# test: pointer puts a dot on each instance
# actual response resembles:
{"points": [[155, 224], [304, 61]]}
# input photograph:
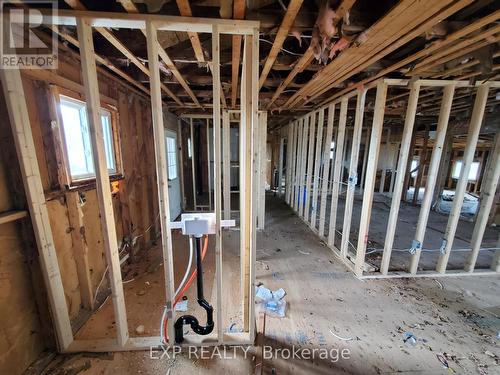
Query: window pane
{"points": [[77, 137], [74, 139], [171, 158]]}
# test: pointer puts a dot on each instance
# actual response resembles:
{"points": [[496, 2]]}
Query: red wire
{"points": [[187, 285]]}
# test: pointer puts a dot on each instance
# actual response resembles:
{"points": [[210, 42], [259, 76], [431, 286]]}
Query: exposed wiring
{"points": [[281, 49]]}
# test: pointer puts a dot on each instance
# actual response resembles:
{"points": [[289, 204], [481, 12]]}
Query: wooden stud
{"points": [[217, 176], [161, 174], [460, 190], [339, 150], [262, 170], [280, 166], [353, 173], [326, 169], [376, 136], [444, 116], [298, 163], [488, 190], [365, 158], [317, 164], [193, 172], [384, 170], [254, 83], [289, 155], [102, 178], [308, 176], [181, 163], [23, 138], [246, 154], [209, 167], [226, 164], [400, 175]]}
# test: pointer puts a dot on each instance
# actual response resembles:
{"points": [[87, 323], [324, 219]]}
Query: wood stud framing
{"points": [[302, 131], [12, 85]]}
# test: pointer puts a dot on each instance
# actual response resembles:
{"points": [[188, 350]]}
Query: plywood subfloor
{"points": [[456, 316]]}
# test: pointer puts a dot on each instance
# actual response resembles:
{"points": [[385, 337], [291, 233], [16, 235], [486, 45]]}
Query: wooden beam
{"points": [[309, 171], [226, 161], [238, 14], [130, 7], [326, 169], [404, 155], [435, 46], [444, 116], [161, 175], [284, 29], [280, 164], [339, 151], [353, 174], [366, 210], [488, 190], [217, 177], [108, 226], [76, 4], [10, 216], [15, 99], [460, 190], [261, 219], [185, 10], [317, 165], [193, 172]]}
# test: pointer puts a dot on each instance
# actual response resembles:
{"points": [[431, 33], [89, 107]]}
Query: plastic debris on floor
{"points": [[272, 302]]}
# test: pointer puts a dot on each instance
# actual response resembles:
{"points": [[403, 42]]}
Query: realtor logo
{"points": [[26, 43]]}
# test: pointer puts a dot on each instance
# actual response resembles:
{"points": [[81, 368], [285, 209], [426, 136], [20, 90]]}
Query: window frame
{"points": [[76, 182]]}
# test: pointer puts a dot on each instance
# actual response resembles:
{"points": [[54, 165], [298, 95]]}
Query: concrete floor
{"points": [[451, 318]]}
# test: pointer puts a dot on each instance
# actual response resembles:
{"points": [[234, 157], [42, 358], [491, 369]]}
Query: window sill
{"points": [[90, 183]]}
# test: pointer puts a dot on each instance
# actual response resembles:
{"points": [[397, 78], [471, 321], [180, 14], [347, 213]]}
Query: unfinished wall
{"points": [[134, 200]]}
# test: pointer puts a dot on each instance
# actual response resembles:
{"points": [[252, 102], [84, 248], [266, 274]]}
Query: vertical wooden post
{"points": [[193, 171], [216, 87], [161, 173], [326, 169], [339, 151], [289, 164], [306, 201], [365, 158], [384, 170], [411, 152], [317, 165], [444, 116], [353, 171], [470, 149], [404, 155], [421, 167], [280, 166], [262, 170], [488, 190], [25, 148], [394, 157], [226, 163], [254, 80], [364, 224], [89, 75], [308, 124], [297, 163], [209, 167], [181, 163]]}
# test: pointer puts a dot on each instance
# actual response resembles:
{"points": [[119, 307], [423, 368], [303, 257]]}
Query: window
{"points": [[171, 158], [77, 139], [332, 147], [190, 155], [414, 164], [473, 172]]}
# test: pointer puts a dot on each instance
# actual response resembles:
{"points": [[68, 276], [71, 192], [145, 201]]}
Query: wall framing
{"points": [[354, 256], [16, 103]]}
